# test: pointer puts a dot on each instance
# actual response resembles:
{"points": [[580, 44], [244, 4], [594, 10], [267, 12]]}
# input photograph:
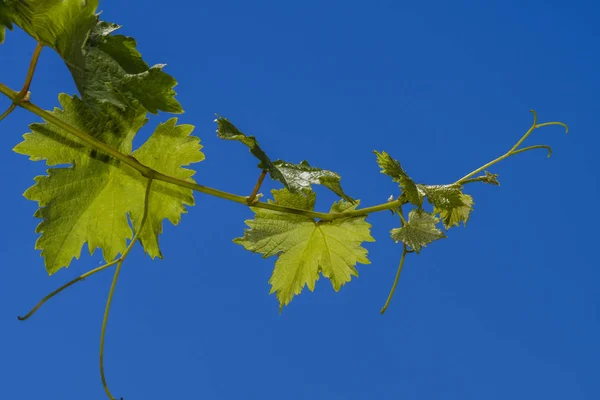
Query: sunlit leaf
{"points": [[89, 202], [306, 248]]}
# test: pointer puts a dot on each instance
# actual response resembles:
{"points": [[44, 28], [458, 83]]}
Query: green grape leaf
{"points": [[295, 177], [450, 202], [443, 197], [90, 201], [419, 231], [304, 247], [106, 69], [392, 168], [455, 215]]}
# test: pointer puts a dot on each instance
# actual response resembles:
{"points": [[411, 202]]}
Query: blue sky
{"points": [[505, 308]]}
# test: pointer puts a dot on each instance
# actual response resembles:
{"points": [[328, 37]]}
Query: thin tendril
{"points": [[114, 284], [514, 149], [387, 302], [66, 285], [531, 129], [554, 123], [6, 113], [537, 146]]}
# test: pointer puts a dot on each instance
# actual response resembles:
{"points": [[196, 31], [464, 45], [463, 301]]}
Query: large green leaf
{"points": [[295, 177], [90, 200], [305, 247], [105, 68], [419, 231], [392, 167]]}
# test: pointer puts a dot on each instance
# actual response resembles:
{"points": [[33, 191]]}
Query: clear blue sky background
{"points": [[506, 308]]}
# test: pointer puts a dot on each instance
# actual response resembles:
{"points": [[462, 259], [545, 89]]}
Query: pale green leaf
{"points": [[90, 201], [455, 215], [304, 247], [419, 231], [392, 167]]}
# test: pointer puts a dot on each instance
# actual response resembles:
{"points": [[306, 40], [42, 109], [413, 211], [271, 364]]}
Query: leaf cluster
{"points": [[102, 192]]}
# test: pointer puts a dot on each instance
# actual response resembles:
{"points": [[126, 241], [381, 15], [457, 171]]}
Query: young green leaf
{"points": [[227, 131], [443, 197], [490, 178], [419, 231], [106, 69], [305, 247], [89, 201], [295, 177], [300, 176], [392, 168], [450, 202], [455, 215]]}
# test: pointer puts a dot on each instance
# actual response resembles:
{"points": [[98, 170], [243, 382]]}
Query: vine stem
{"points": [[25, 89], [153, 174], [389, 299], [114, 284], [149, 172]]}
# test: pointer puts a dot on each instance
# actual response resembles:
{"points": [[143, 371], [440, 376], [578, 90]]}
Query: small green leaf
{"points": [[304, 247], [90, 201], [450, 202], [392, 167], [443, 197], [455, 215], [295, 177], [227, 131], [419, 231], [301, 176]]}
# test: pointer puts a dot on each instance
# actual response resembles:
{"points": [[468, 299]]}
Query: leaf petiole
{"points": [[22, 95], [261, 178]]}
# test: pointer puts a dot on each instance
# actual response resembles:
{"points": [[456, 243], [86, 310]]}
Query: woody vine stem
{"points": [[22, 99]]}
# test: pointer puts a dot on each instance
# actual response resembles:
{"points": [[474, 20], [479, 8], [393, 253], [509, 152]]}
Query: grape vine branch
{"points": [[93, 134]]}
